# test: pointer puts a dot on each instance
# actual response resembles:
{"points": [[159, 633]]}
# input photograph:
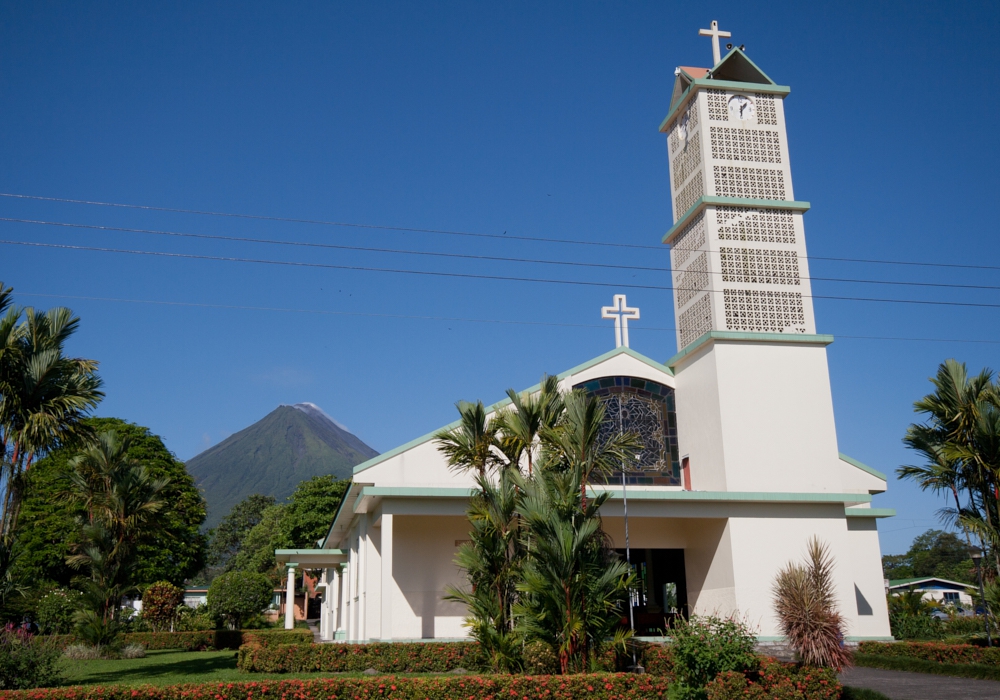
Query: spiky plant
{"points": [[806, 604]]}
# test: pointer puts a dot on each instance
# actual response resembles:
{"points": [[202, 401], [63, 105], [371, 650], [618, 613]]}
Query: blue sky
{"points": [[535, 119]]}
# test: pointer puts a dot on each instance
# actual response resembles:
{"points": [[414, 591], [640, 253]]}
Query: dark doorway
{"points": [[661, 593]]}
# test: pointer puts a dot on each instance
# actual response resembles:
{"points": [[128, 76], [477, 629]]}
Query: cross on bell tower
{"points": [[621, 313], [715, 33]]}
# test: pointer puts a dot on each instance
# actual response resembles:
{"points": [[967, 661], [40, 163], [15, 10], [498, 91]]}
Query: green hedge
{"points": [[776, 681], [933, 651], [596, 687], [196, 641], [416, 657]]}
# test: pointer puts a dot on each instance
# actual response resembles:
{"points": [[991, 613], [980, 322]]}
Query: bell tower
{"points": [[753, 389]]}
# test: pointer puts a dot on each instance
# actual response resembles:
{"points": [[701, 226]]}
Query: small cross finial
{"points": [[621, 313], [715, 33]]}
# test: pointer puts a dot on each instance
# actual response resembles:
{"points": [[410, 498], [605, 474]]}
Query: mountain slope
{"points": [[288, 445]]}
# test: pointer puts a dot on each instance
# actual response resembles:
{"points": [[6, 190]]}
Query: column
{"points": [[335, 602], [324, 609], [387, 584], [290, 599]]}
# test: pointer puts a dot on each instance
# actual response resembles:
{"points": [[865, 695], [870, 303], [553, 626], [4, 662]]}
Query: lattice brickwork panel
{"points": [[752, 183], [766, 112], [763, 311], [755, 145], [685, 124], [692, 281], [690, 194], [760, 225], [687, 160], [718, 106], [759, 266], [696, 321], [692, 238]]}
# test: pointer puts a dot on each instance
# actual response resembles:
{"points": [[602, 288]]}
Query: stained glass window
{"points": [[645, 408]]}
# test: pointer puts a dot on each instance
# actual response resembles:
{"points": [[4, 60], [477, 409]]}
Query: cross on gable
{"points": [[715, 33], [621, 313]]}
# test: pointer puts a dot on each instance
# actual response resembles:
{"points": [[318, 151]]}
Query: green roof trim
{"points": [[320, 552], [506, 402], [736, 50], [789, 338], [641, 495], [893, 583], [863, 467], [708, 201], [870, 512]]}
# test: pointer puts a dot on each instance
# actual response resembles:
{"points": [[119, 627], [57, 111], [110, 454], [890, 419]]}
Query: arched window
{"points": [[645, 408]]}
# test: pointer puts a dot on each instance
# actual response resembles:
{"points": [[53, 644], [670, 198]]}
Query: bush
{"points": [[776, 681], [933, 651], [24, 664], [916, 627], [195, 641], [54, 612], [133, 651], [193, 619], [81, 652], [704, 647], [416, 657], [238, 595], [962, 625], [270, 638], [600, 686], [159, 605], [539, 658]]}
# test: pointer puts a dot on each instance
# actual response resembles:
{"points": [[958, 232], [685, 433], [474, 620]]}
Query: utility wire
{"points": [[463, 275], [463, 256], [447, 318], [503, 236]]}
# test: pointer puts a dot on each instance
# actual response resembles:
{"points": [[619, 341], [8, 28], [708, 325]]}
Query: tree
{"points": [[310, 510], [227, 538], [934, 553], [806, 604], [256, 553], [173, 552], [159, 605], [960, 441], [44, 397], [121, 504], [238, 595]]}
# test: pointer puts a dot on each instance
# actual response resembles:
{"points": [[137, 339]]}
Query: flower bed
{"points": [[196, 641], [933, 651], [777, 681], [414, 657]]}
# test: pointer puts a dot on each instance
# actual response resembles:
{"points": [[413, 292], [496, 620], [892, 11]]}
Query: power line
{"points": [[504, 236], [463, 256], [462, 275], [236, 307]]}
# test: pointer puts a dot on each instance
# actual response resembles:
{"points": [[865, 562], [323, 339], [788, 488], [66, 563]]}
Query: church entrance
{"points": [[661, 593]]}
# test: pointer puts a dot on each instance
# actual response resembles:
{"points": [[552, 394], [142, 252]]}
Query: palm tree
{"points": [[44, 396], [122, 503], [473, 443], [575, 443], [529, 414]]}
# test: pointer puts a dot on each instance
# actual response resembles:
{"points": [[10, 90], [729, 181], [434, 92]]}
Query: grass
{"points": [[167, 667], [891, 663]]}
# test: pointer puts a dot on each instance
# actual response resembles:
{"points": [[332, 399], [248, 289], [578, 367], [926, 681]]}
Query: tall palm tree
{"points": [[44, 396], [528, 415], [122, 503], [473, 444]]}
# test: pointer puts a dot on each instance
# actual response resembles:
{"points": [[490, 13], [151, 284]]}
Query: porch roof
{"points": [[310, 557]]}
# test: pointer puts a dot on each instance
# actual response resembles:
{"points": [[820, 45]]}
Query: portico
{"points": [[331, 563]]}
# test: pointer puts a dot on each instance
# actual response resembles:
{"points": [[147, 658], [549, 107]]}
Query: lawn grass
{"points": [[895, 663], [167, 667]]}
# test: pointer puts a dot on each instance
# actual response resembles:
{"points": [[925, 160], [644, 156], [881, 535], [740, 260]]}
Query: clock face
{"points": [[741, 107]]}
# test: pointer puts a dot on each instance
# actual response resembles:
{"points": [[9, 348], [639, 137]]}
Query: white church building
{"points": [[740, 466]]}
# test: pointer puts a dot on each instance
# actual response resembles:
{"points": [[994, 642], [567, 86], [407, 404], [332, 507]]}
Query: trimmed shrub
{"points": [[54, 613], [598, 686], [270, 638], [934, 651], [776, 681], [415, 657], [23, 664], [704, 647], [539, 658], [133, 651], [194, 641], [81, 652], [239, 595], [159, 604], [657, 659]]}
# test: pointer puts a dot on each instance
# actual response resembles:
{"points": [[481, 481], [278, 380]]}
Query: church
{"points": [[740, 465]]}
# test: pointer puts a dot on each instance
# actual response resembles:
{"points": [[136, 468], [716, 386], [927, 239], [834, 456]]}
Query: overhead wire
{"points": [[504, 236], [463, 256], [462, 275]]}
